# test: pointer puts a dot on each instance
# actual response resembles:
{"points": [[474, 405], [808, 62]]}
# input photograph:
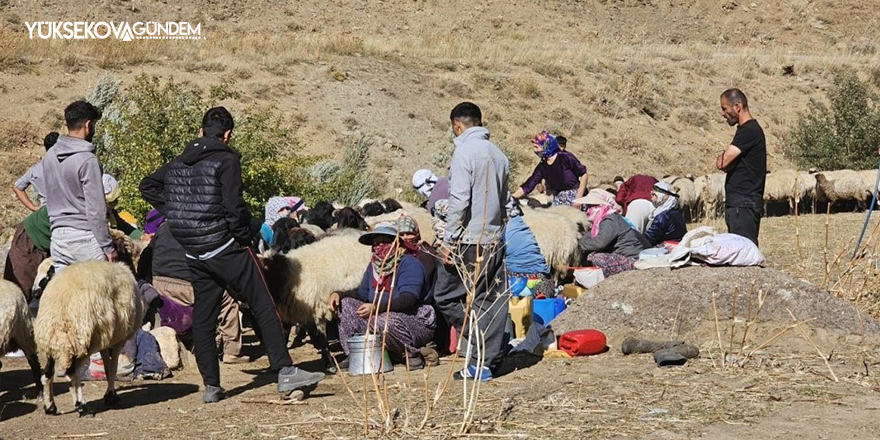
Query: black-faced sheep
{"points": [[349, 218], [421, 215], [88, 307], [17, 326]]}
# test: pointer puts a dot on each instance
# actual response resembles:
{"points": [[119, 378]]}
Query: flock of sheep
{"points": [[107, 309], [703, 196]]}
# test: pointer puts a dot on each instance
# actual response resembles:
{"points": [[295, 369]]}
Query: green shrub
{"points": [[348, 182], [846, 135], [148, 124]]}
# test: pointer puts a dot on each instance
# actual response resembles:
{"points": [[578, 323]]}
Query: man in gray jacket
{"points": [[75, 192], [473, 242]]}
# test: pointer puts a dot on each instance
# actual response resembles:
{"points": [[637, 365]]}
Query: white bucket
{"points": [[365, 355], [588, 277]]}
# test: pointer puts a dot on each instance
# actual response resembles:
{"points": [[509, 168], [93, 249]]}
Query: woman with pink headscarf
{"points": [[612, 244]]}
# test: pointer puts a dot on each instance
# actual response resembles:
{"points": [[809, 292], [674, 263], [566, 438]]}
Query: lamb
{"points": [[834, 186], [557, 236], [303, 280], [17, 327], [88, 307]]}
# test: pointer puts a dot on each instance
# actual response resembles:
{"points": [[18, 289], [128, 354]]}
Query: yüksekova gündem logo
{"points": [[102, 30]]}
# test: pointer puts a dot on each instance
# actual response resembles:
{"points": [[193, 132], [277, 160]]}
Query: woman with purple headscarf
{"points": [[564, 175]]}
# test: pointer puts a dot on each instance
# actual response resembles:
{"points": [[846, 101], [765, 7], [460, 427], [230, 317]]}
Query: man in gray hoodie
{"points": [[75, 192], [473, 241]]}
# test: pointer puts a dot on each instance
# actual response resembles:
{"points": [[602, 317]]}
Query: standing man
{"points": [[200, 194], [474, 239], [75, 192], [745, 162], [34, 176]]}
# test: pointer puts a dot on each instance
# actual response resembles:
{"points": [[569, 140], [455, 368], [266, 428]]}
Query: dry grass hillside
{"points": [[632, 83]]}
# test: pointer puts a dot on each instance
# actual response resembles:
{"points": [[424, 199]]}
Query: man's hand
{"points": [[445, 254], [112, 256], [365, 310], [333, 302]]}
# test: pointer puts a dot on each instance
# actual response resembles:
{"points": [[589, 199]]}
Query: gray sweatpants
{"points": [[490, 298], [71, 245]]}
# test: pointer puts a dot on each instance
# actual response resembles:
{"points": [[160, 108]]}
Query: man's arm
{"points": [[727, 157], [238, 216], [21, 185], [459, 196], [96, 207], [153, 188], [24, 199]]}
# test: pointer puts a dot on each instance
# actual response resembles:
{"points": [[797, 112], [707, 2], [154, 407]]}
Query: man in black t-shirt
{"points": [[745, 162]]}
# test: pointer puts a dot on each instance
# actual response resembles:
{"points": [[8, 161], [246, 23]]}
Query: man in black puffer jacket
{"points": [[200, 194]]}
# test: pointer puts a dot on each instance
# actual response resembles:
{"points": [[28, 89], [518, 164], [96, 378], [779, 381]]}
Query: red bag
{"points": [[583, 342]]}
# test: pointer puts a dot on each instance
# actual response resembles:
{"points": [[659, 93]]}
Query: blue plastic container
{"points": [[544, 310]]}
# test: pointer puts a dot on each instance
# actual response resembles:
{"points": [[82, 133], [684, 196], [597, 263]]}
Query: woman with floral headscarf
{"points": [[563, 173], [666, 221], [276, 208], [612, 244], [393, 293]]}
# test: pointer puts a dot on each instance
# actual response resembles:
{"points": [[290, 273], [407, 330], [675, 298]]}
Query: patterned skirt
{"points": [[566, 197], [611, 264]]}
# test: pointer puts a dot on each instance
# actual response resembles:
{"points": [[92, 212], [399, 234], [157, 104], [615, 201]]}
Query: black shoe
{"points": [[213, 394], [291, 378]]}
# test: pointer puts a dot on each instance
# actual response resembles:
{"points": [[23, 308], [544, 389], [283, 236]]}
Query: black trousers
{"points": [[490, 298], [744, 220], [236, 270]]}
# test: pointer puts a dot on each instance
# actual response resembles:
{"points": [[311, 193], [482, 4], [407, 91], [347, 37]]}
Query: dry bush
{"points": [[528, 87], [343, 45]]}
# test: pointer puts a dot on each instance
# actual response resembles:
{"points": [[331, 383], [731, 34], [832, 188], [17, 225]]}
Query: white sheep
{"points": [[688, 198], [710, 187], [869, 178], [557, 236], [88, 307], [303, 279], [17, 326], [835, 186]]}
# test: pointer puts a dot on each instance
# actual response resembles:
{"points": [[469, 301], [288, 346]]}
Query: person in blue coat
{"points": [[666, 221]]}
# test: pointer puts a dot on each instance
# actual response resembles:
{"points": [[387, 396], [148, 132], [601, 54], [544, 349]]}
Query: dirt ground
{"points": [[768, 388]]}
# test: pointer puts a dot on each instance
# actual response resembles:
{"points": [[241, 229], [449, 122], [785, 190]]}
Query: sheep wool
{"points": [[557, 236], [17, 326], [88, 307], [169, 348]]}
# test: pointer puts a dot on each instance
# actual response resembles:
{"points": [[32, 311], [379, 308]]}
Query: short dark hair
{"points": [[217, 121], [562, 141], [467, 113], [77, 113], [50, 140], [736, 96]]}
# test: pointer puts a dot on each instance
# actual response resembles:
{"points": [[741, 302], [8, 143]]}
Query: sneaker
{"points": [[15, 354], [213, 394], [471, 372], [430, 355], [416, 363], [291, 378]]}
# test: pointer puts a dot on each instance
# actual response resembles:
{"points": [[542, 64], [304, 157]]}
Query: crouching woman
{"points": [[612, 244], [393, 288]]}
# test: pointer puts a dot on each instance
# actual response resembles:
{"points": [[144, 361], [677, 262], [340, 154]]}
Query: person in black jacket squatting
{"points": [[200, 193]]}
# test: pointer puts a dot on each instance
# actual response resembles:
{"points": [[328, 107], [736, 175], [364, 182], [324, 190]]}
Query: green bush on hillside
{"points": [[844, 135], [146, 125]]}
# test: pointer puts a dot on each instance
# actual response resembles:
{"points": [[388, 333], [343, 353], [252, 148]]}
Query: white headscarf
{"points": [[423, 181], [666, 199]]}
